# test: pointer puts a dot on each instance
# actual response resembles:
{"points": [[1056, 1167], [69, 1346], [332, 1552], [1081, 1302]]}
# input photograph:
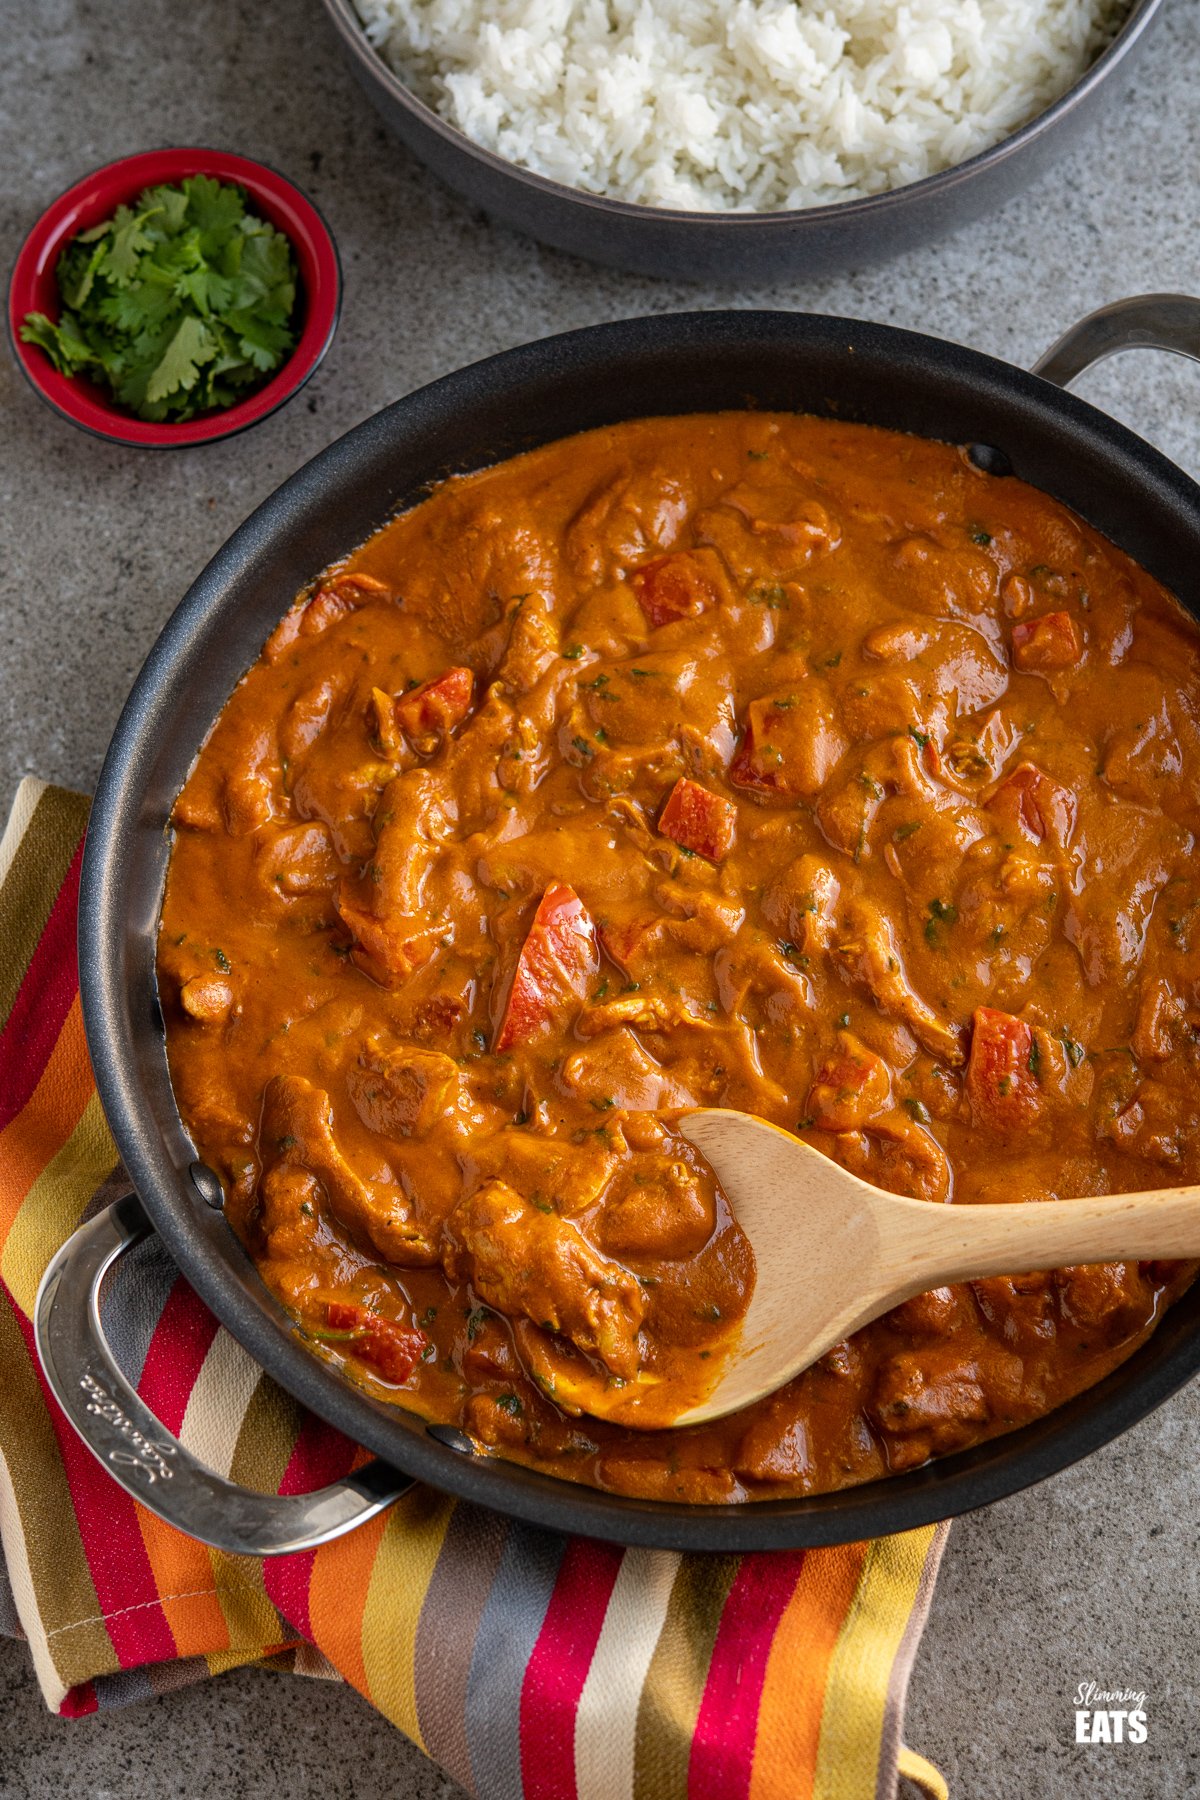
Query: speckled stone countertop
{"points": [[1093, 1576]]}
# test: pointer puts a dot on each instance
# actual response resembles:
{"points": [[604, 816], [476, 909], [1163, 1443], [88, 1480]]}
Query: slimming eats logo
{"points": [[1109, 1716]]}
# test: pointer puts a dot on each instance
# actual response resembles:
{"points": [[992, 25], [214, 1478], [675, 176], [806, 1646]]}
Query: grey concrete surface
{"points": [[1092, 1577]]}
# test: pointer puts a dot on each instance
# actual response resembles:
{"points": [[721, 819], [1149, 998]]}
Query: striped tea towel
{"points": [[531, 1666]]}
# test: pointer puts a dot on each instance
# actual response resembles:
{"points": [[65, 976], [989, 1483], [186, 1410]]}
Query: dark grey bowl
{"points": [[743, 247]]}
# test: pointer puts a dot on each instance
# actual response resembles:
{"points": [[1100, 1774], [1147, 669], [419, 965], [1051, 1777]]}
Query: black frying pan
{"points": [[1018, 422]]}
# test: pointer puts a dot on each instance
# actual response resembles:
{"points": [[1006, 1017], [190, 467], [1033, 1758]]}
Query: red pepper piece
{"points": [[557, 958], [438, 705], [394, 1350], [1002, 1081], [334, 599], [1051, 642], [699, 820], [1029, 798], [850, 1089], [673, 587]]}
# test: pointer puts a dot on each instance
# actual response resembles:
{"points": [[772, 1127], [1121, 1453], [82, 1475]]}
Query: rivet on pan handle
{"points": [[135, 1448], [1145, 322]]}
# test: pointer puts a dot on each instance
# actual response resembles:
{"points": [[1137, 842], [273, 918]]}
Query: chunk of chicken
{"points": [[207, 998], [404, 1091], [534, 1265], [801, 903], [865, 947], [792, 742], [297, 1132]]}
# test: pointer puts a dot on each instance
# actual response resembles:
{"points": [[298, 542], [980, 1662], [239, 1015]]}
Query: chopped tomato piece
{"points": [[438, 705], [1051, 642], [335, 598], [357, 588], [394, 1350], [388, 952], [1002, 1078], [341, 594], [673, 587], [557, 958], [324, 609], [851, 1087], [699, 820], [1029, 798]]}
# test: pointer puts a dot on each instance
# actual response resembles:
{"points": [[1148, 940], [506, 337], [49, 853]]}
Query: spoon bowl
{"points": [[833, 1252]]}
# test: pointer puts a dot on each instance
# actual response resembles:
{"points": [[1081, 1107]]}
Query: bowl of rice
{"points": [[735, 140]]}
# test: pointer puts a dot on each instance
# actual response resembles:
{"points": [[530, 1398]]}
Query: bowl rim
{"points": [[861, 210], [93, 197]]}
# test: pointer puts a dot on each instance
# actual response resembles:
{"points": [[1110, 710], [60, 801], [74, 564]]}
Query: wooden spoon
{"points": [[833, 1253]]}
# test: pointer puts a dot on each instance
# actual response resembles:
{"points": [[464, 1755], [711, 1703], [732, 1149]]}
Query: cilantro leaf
{"points": [[179, 304], [180, 365], [129, 239], [171, 203], [213, 207], [209, 292], [77, 273], [260, 340], [62, 342]]}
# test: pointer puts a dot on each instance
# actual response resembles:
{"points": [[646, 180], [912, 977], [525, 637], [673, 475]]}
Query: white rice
{"points": [[747, 104]]}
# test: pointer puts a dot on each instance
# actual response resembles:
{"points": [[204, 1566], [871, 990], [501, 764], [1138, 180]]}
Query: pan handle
{"points": [[133, 1446], [1145, 322]]}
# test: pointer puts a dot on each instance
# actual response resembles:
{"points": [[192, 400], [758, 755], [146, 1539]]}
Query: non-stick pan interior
{"points": [[670, 364]]}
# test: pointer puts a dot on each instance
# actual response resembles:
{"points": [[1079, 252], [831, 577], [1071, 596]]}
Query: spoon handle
{"points": [[962, 1242]]}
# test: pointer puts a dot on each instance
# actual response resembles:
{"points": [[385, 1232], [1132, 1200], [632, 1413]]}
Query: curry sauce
{"points": [[741, 760]]}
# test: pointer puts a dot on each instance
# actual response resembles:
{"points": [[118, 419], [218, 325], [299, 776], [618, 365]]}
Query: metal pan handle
{"points": [[1145, 322], [149, 1463]]}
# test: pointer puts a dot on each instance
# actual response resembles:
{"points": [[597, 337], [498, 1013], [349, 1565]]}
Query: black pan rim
{"points": [[1000, 1467]]}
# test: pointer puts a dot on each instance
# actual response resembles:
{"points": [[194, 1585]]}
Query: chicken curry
{"points": [[743, 760]]}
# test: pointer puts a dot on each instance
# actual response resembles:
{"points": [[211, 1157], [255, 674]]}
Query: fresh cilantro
{"points": [[179, 305]]}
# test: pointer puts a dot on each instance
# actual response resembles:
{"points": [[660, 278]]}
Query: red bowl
{"points": [[34, 288]]}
